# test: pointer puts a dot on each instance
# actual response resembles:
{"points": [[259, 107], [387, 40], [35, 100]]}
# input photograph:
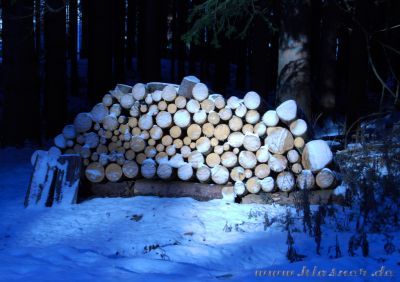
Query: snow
{"points": [[163, 239], [318, 155]]}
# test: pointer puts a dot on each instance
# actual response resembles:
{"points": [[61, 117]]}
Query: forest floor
{"points": [[162, 239]]}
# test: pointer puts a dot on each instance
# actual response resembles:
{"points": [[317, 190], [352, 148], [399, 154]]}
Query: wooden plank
{"points": [[67, 180], [40, 183]]}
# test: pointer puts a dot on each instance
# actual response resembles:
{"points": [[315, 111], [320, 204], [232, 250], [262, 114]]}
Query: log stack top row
{"points": [[168, 131]]}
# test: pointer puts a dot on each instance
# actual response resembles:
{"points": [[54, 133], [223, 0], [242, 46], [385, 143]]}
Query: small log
{"points": [[196, 159], [175, 131], [316, 155], [200, 117], [241, 110], [219, 101], [153, 110], [235, 123], [146, 122], [293, 156], [253, 185], [187, 140], [203, 173], [252, 100], [170, 150], [200, 92], [162, 105], [325, 178], [156, 95], [262, 154], [166, 140], [164, 171], [182, 118], [219, 149], [113, 172], [185, 151], [239, 188], [137, 144], [220, 174], [297, 168], [267, 184], [287, 111], [214, 142], [248, 129], [208, 130], [299, 143], [213, 159], [172, 108], [149, 99], [298, 127], [194, 131], [150, 152], [139, 91], [305, 180], [225, 114], [229, 159], [161, 157], [285, 181], [148, 168], [126, 101], [208, 105], [186, 87], [222, 132], [94, 172], [178, 143], [261, 171], [130, 169], [260, 129], [251, 142], [237, 174], [277, 163], [99, 112], [156, 133], [233, 102], [203, 145], [69, 132], [236, 139], [130, 155], [279, 140], [60, 141], [115, 110], [110, 123], [107, 100], [247, 159], [270, 118], [248, 173], [185, 172], [83, 122], [213, 118], [180, 102], [169, 93]]}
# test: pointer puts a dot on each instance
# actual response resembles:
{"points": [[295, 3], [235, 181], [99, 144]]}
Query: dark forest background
{"points": [[59, 57]]}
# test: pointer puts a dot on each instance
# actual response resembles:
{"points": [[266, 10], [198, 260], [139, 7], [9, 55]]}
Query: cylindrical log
{"points": [[267, 184], [248, 173], [200, 117], [207, 105], [252, 117], [178, 143], [169, 93], [185, 151], [150, 151], [194, 131], [277, 163], [298, 127], [305, 180], [219, 101], [99, 112], [270, 118], [60, 141], [187, 84], [166, 140], [213, 118], [237, 173], [252, 100], [297, 168], [220, 174], [193, 106], [113, 172], [130, 169], [214, 142], [164, 171], [115, 110], [137, 144], [156, 133], [203, 145], [236, 139], [233, 102], [200, 92], [287, 111], [175, 131], [262, 171], [221, 132], [239, 188], [69, 132], [262, 154], [279, 140], [149, 99], [316, 155], [176, 161], [219, 149], [161, 158], [247, 159], [148, 168], [185, 172], [164, 119], [162, 105], [83, 122], [248, 129], [203, 173], [208, 130], [251, 142], [180, 102], [95, 172], [156, 95], [285, 181], [187, 140], [225, 114], [241, 110], [293, 156], [253, 185], [213, 159], [107, 100], [130, 155], [260, 129], [127, 101], [139, 91], [170, 150], [325, 178], [182, 118], [235, 123], [299, 143], [229, 159], [172, 108], [196, 159]]}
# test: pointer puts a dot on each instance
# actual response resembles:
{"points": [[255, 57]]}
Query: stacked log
{"points": [[166, 131]]}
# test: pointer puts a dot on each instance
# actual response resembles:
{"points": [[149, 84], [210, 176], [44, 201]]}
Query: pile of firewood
{"points": [[187, 133]]}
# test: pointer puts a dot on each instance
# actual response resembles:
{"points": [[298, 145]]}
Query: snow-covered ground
{"points": [[159, 239]]}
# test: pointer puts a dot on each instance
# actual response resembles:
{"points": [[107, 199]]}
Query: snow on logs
{"points": [[188, 133]]}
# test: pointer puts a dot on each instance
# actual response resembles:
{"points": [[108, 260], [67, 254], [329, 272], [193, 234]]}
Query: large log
{"points": [[279, 140], [187, 84], [316, 155], [200, 92]]}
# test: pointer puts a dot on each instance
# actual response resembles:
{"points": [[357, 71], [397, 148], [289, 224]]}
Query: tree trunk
{"points": [[118, 22], [131, 32], [100, 49], [327, 68], [19, 73], [73, 45], [294, 55], [84, 8], [55, 98], [149, 53]]}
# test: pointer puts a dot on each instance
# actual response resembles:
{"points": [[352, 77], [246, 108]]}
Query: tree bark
{"points": [[294, 55], [100, 49], [19, 73]]}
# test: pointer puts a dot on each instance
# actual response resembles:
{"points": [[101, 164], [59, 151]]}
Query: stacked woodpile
{"points": [[184, 132]]}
